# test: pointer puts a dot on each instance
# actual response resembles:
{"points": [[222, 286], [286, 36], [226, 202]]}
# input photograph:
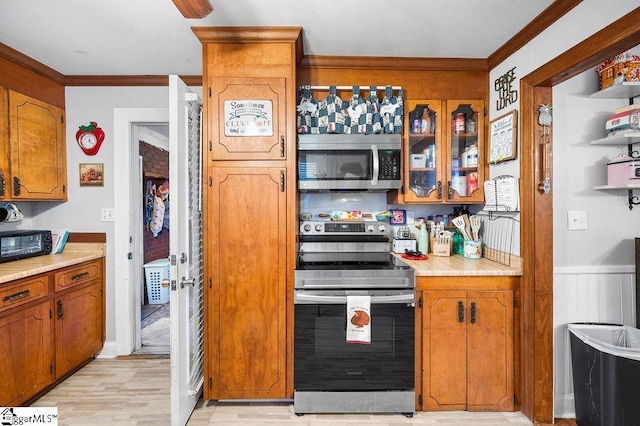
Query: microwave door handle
{"points": [[376, 165]]}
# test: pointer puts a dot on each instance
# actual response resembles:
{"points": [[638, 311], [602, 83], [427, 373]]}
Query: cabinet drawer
{"points": [[26, 291], [80, 274]]}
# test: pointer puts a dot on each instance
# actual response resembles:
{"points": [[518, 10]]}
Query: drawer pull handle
{"points": [[16, 296], [474, 313], [80, 276], [460, 311]]}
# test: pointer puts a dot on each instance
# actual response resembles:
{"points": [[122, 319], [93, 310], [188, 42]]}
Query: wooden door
{"points": [[490, 351], [444, 350], [248, 118], [79, 325], [26, 364], [246, 301], [37, 150]]}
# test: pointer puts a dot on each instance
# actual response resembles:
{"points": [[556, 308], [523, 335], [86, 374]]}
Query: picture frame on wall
{"points": [[91, 174], [502, 138]]}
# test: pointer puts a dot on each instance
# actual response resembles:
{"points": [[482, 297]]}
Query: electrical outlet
{"points": [[106, 215], [577, 220]]}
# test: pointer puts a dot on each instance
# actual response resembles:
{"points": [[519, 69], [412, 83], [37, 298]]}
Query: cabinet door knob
{"points": [[439, 190], [460, 311], [474, 313]]}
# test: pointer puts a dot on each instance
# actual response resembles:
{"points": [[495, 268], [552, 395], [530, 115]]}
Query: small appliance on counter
{"points": [[22, 244], [404, 240]]}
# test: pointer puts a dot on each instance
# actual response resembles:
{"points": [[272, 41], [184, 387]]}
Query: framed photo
{"points": [[398, 217], [502, 138], [91, 174]]}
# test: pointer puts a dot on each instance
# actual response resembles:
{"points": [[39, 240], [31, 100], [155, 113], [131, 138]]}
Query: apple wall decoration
{"points": [[90, 138]]}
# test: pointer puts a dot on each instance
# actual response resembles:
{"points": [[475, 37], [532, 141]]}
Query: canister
{"points": [[473, 249], [459, 123], [472, 156]]}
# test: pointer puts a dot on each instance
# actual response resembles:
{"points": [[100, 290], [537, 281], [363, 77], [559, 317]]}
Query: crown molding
{"points": [[30, 64], [128, 80], [550, 15]]}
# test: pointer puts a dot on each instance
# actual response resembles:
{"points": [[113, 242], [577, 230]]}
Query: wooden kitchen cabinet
{"points": [[27, 362], [50, 324], [467, 350], [35, 167], [442, 162], [250, 209], [248, 116], [246, 337], [78, 325]]}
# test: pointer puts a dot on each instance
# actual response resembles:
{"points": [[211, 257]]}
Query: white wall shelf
{"points": [[627, 89], [628, 186], [628, 137]]}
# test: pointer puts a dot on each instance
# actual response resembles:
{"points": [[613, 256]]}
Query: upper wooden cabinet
{"points": [[36, 150], [444, 152], [248, 118]]}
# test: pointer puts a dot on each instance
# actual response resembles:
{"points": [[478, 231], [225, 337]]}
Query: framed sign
{"points": [[91, 174], [502, 138], [246, 118]]}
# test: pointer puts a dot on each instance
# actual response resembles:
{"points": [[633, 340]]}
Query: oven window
{"points": [[335, 165], [324, 361]]}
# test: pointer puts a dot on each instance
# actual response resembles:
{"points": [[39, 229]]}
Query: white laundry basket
{"points": [[156, 271]]}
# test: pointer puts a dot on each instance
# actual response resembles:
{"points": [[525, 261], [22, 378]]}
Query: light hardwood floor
{"points": [[135, 391]]}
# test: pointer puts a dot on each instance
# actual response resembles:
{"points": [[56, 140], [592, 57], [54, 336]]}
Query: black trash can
{"points": [[606, 374]]}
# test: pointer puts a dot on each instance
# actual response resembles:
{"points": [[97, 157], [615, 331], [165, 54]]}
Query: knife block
{"points": [[440, 248]]}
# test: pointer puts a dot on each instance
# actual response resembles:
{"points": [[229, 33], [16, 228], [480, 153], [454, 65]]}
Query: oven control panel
{"points": [[344, 228]]}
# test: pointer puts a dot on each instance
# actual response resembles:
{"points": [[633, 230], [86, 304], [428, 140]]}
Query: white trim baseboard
{"points": [[109, 350]]}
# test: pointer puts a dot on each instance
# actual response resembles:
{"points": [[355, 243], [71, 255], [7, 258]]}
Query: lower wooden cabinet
{"points": [[26, 364], [467, 350], [78, 325], [47, 334]]}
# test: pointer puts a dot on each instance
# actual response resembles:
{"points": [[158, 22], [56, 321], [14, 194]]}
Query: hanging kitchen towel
{"points": [[359, 319]]}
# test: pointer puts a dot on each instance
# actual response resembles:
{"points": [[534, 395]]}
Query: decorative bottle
{"points": [[423, 239]]}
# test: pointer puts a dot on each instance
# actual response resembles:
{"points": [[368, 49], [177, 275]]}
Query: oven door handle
{"points": [[319, 299]]}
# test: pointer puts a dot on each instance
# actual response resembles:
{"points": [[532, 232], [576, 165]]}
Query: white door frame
{"points": [[127, 232]]}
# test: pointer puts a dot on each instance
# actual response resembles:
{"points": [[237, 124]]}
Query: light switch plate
{"points": [[106, 215], [577, 220]]}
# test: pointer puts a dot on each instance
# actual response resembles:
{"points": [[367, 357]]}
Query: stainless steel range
{"points": [[340, 261]]}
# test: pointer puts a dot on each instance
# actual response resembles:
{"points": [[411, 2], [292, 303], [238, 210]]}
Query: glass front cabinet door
{"points": [[465, 151], [424, 168], [444, 152]]}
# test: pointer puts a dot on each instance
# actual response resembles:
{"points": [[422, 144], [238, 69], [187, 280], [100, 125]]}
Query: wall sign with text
{"points": [[248, 117], [506, 93]]}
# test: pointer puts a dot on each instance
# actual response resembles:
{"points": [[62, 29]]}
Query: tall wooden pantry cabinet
{"points": [[250, 203]]}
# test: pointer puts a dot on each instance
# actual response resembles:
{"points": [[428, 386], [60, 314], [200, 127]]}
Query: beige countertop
{"points": [[458, 266], [73, 254]]}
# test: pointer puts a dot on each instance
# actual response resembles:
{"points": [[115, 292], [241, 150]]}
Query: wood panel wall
{"points": [[419, 78]]}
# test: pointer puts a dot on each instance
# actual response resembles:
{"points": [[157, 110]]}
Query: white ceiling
{"points": [[150, 37]]}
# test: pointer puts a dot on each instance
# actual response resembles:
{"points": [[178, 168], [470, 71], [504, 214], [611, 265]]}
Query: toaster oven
{"points": [[21, 244]]}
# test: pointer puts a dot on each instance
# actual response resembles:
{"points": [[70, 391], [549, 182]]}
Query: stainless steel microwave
{"points": [[21, 244], [349, 162]]}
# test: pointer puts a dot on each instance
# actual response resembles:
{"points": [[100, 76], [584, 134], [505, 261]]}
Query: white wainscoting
{"points": [[603, 294]]}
